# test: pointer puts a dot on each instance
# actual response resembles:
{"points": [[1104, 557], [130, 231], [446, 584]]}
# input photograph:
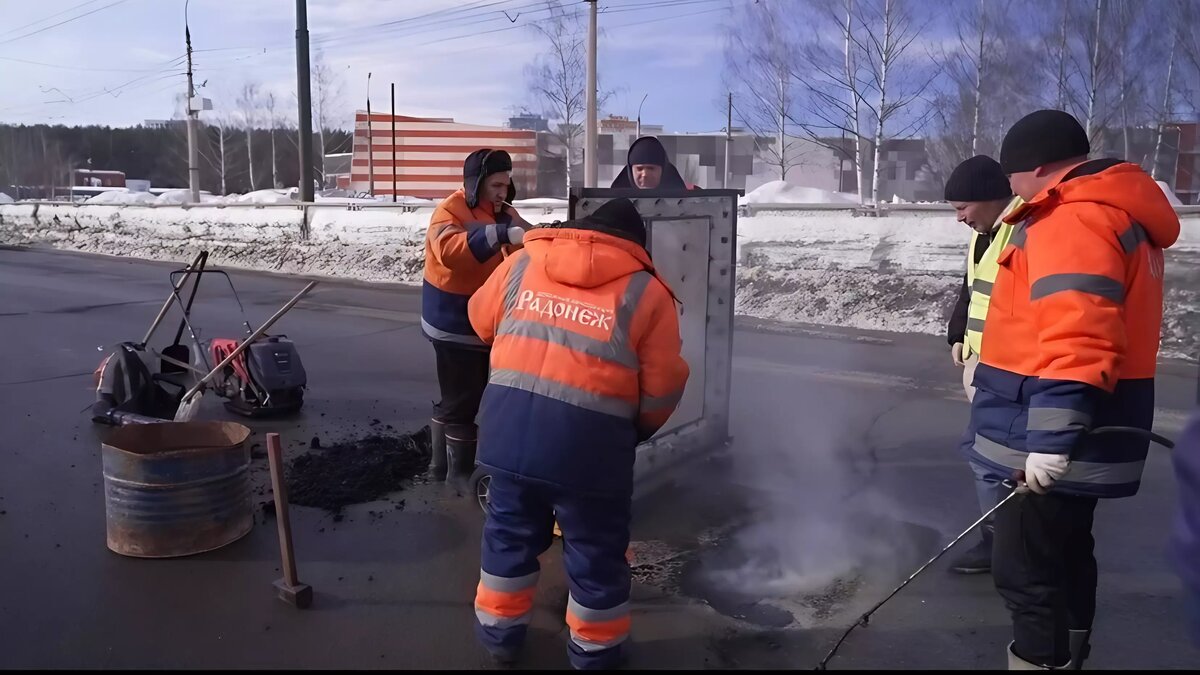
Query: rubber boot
{"points": [[1017, 663], [1081, 648], [460, 455], [437, 462]]}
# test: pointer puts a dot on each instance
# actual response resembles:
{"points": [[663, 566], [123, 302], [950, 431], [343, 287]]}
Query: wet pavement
{"points": [[842, 478]]}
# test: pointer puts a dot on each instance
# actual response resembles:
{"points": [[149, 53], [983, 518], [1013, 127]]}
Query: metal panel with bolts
{"points": [[692, 240]]}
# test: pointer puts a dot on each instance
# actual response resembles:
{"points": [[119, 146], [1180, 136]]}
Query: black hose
{"points": [[866, 618], [1136, 431]]}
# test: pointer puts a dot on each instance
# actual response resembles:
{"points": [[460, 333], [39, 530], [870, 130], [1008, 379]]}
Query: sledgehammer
{"points": [[290, 589]]}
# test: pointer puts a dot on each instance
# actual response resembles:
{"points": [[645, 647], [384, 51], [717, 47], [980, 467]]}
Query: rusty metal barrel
{"points": [[176, 488]]}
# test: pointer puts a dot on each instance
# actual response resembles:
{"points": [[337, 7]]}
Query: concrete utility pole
{"points": [[192, 117], [304, 87], [393, 142], [591, 165]]}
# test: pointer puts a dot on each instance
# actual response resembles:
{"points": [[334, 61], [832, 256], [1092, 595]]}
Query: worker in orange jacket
{"points": [[467, 236], [1069, 345], [585, 365]]}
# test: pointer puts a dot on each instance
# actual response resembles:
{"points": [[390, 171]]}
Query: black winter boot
{"points": [[461, 440], [437, 463], [1081, 648]]}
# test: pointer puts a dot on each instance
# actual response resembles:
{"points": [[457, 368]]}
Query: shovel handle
{"points": [[174, 289], [246, 343]]}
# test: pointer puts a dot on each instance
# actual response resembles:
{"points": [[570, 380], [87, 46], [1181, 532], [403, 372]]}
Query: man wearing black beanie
{"points": [[649, 168], [1069, 348], [978, 190]]}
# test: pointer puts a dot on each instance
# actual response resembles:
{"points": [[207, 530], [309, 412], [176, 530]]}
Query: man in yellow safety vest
{"points": [[979, 192]]}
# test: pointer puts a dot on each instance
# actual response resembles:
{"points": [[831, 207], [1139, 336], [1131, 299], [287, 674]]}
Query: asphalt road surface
{"points": [[843, 476]]}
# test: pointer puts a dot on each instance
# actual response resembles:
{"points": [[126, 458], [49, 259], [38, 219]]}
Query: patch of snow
{"points": [[346, 200], [543, 202], [182, 196], [414, 201], [782, 192], [121, 196], [5, 199], [261, 197]]}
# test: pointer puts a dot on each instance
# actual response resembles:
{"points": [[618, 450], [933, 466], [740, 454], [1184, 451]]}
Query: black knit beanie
{"points": [[618, 217], [1042, 138], [647, 150], [978, 179]]}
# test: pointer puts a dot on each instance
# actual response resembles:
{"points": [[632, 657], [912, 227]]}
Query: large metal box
{"points": [[692, 241]]}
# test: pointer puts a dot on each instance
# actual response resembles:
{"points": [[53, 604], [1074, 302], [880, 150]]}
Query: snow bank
{"points": [[901, 272], [261, 197], [822, 266], [121, 196], [781, 192], [177, 197], [5, 199]]}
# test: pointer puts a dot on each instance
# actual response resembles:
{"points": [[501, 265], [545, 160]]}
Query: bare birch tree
{"points": [[761, 59], [833, 82], [327, 102], [221, 130], [895, 77], [558, 78], [988, 81], [269, 106], [249, 109], [1086, 82]]}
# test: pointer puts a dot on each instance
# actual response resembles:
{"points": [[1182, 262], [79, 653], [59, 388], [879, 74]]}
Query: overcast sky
{"points": [[119, 62]]}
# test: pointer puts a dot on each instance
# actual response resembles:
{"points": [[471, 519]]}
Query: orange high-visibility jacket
{"points": [[462, 248], [1072, 332], [585, 359]]}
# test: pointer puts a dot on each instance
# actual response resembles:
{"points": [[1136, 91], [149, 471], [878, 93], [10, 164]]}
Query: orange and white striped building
{"points": [[429, 153]]}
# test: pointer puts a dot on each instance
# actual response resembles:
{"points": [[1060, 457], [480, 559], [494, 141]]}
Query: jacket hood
{"points": [[1121, 185], [584, 258]]}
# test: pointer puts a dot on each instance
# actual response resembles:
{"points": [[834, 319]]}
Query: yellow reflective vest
{"points": [[981, 276]]}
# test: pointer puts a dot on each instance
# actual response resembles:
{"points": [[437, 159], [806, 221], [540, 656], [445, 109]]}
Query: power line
{"points": [[673, 16], [410, 25], [78, 69], [114, 91], [652, 4], [486, 17], [42, 30], [47, 18]]}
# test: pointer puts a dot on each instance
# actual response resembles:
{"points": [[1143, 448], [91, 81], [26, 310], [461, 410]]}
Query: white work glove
{"points": [[956, 351], [516, 235], [1042, 469]]}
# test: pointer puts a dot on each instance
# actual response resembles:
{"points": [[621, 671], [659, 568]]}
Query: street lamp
{"points": [[639, 116]]}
